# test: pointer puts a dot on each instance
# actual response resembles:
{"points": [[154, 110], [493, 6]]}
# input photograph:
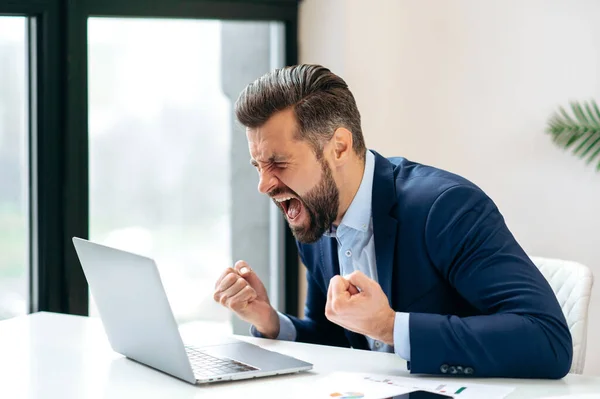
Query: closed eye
{"points": [[270, 165], [277, 165]]}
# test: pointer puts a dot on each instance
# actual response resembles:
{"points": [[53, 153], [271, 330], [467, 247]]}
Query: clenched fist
{"points": [[240, 290], [358, 304]]}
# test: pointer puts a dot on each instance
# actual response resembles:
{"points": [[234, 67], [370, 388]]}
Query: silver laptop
{"points": [[140, 325]]}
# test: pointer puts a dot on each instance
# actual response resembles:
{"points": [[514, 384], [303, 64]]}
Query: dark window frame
{"points": [[59, 191]]}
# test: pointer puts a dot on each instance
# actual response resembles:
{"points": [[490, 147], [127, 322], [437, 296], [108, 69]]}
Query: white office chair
{"points": [[572, 284]]}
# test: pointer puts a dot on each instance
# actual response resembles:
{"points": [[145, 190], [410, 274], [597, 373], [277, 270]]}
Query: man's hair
{"points": [[320, 99]]}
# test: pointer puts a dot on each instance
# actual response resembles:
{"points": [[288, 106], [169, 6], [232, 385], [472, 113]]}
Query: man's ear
{"points": [[342, 144]]}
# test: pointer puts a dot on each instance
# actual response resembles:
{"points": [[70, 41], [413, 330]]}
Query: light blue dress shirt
{"points": [[356, 251]]}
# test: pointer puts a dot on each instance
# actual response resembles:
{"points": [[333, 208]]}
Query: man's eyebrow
{"points": [[272, 159], [277, 158]]}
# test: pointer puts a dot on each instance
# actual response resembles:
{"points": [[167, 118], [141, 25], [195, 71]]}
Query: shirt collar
{"points": [[358, 215]]}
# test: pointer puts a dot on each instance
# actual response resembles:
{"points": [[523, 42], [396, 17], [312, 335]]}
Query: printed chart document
{"points": [[342, 385]]}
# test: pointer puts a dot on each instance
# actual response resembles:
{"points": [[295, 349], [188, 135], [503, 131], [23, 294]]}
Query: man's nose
{"points": [[267, 182]]}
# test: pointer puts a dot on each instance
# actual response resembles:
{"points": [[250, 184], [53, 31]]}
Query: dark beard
{"points": [[321, 203]]}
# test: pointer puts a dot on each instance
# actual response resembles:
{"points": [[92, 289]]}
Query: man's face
{"points": [[301, 185]]}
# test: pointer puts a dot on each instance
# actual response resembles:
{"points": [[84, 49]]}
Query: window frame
{"points": [[58, 131]]}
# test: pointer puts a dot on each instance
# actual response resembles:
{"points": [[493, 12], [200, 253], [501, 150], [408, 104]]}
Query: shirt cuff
{"points": [[402, 336], [287, 330]]}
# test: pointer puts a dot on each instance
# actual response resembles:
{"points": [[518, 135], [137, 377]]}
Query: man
{"points": [[400, 257]]}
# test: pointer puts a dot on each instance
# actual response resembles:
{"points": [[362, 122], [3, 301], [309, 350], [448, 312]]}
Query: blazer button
{"points": [[469, 371], [452, 370], [459, 370], [444, 368]]}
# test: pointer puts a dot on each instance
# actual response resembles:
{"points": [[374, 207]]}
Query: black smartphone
{"points": [[421, 395]]}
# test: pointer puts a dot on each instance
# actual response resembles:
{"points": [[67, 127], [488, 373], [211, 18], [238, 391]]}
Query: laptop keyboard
{"points": [[206, 365]]}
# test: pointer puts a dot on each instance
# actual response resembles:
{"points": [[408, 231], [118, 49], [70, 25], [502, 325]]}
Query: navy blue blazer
{"points": [[445, 255]]}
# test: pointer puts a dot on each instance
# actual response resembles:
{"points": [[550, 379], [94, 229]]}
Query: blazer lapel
{"points": [[384, 225]]}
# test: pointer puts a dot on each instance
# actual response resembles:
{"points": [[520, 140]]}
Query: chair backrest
{"points": [[572, 284]]}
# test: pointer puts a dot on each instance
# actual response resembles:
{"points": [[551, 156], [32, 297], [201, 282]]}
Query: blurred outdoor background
{"points": [[14, 187], [159, 147]]}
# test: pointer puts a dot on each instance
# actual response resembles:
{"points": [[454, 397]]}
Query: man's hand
{"points": [[240, 290], [365, 311]]}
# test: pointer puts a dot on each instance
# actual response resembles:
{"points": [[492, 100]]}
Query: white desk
{"points": [[53, 356]]}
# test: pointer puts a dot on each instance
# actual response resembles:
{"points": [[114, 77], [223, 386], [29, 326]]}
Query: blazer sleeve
{"points": [[315, 328], [522, 332]]}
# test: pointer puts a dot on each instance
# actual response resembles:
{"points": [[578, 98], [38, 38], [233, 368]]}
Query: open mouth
{"points": [[292, 207]]}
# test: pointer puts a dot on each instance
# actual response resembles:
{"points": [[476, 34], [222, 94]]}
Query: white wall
{"points": [[468, 85]]}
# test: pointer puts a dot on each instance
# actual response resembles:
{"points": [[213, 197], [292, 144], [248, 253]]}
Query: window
{"points": [[14, 182], [160, 148], [140, 152]]}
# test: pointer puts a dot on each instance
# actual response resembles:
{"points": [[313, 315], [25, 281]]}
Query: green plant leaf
{"points": [[579, 129], [578, 112], [596, 109], [590, 147], [583, 143], [595, 118], [568, 120], [594, 156]]}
